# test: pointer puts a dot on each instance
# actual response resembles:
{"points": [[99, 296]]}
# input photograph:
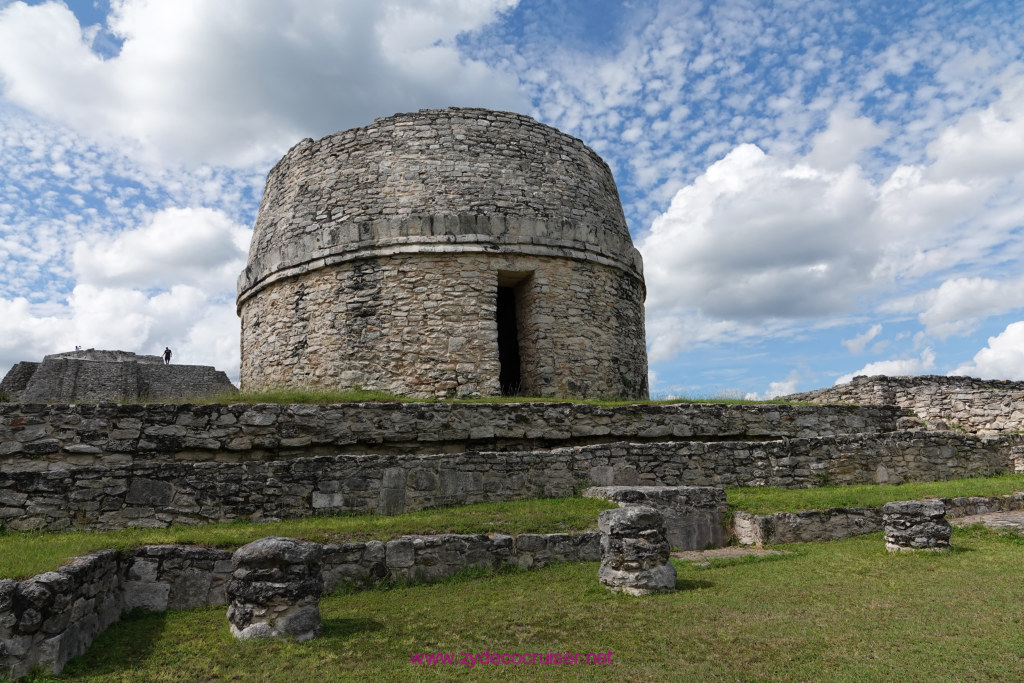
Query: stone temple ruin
{"points": [[453, 252], [94, 376]]}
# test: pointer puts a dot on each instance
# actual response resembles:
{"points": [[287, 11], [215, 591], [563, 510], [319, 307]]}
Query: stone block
{"points": [[145, 595], [634, 551], [142, 491], [392, 502], [400, 553], [916, 525], [275, 589]]}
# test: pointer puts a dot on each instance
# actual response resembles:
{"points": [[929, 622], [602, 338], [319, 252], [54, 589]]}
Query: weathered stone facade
{"points": [[156, 494], [275, 589], [447, 252], [37, 436], [966, 403], [93, 376]]}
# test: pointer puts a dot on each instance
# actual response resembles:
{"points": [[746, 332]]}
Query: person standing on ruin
{"points": [[167, 355]]}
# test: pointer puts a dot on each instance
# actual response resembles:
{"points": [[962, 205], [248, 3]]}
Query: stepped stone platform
{"points": [[93, 376]]}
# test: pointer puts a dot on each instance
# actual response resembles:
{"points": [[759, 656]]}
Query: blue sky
{"points": [[819, 189]]}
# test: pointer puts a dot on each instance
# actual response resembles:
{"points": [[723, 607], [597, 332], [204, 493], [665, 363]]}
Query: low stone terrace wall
{"points": [[155, 494], [835, 523], [50, 618], [974, 405], [36, 436]]}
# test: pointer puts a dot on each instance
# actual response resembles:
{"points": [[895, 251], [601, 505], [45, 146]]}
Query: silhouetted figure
{"points": [[167, 355]]}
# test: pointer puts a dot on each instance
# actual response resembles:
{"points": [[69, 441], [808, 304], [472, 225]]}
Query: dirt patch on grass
{"points": [[703, 557]]}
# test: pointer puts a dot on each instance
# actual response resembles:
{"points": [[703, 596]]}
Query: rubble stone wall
{"points": [[967, 403], [425, 325], [832, 524], [156, 494], [39, 437], [51, 617], [16, 379]]}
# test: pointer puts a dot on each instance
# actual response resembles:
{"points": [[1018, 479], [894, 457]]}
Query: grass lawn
{"points": [[764, 499], [839, 611], [27, 553]]}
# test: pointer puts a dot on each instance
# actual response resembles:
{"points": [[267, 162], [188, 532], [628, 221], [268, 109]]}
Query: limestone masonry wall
{"points": [[16, 379], [378, 254], [439, 174], [49, 618], [811, 526], [36, 436], [156, 494], [975, 405], [425, 326]]}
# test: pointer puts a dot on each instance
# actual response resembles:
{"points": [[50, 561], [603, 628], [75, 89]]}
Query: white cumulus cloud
{"points": [[858, 343], [895, 367], [755, 238], [775, 389], [196, 246], [239, 81], [1003, 358]]}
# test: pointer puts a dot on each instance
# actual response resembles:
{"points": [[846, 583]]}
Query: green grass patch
{"points": [[303, 396], [839, 611], [27, 553], [765, 499]]}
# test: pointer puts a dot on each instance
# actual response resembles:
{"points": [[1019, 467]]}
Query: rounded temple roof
{"points": [[437, 180]]}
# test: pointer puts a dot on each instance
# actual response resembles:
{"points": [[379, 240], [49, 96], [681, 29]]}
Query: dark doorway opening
{"points": [[510, 376]]}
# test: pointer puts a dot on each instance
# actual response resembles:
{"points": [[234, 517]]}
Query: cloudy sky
{"points": [[819, 188]]}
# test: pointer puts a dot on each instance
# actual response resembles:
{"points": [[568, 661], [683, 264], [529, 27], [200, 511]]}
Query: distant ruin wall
{"points": [[16, 379], [57, 436], [974, 405], [97, 376], [157, 494]]}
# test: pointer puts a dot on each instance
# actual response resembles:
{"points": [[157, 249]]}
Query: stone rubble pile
{"points": [[634, 551], [915, 525], [275, 589]]}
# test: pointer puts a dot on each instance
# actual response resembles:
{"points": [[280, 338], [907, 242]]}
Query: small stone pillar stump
{"points": [[634, 551], [915, 525], [275, 589]]}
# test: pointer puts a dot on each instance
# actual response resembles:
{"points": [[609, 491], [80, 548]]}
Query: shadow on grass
{"points": [[131, 639], [693, 584], [337, 627]]}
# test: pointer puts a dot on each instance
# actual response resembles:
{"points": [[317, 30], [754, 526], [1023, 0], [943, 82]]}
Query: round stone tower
{"points": [[451, 252]]}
